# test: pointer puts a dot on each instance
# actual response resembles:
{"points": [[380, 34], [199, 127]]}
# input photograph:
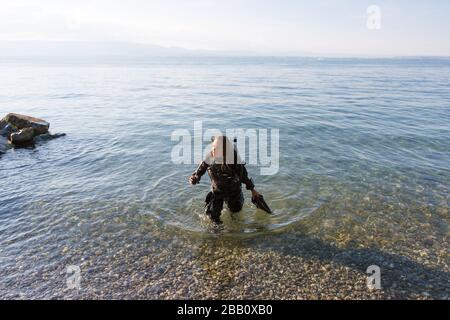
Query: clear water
{"points": [[362, 143]]}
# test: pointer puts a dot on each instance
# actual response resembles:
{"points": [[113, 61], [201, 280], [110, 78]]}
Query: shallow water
{"points": [[364, 152]]}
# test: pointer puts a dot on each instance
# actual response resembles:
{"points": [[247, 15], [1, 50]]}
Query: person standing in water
{"points": [[227, 173]]}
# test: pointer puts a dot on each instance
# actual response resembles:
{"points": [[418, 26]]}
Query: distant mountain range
{"points": [[23, 49], [73, 49]]}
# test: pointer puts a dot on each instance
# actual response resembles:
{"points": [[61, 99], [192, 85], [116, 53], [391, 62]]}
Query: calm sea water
{"points": [[365, 141]]}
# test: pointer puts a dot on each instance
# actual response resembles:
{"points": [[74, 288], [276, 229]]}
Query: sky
{"points": [[267, 27]]}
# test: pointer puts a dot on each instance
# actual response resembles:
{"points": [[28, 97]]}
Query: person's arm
{"points": [[245, 179], [249, 185], [197, 175]]}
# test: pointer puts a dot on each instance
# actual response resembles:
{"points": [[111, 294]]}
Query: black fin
{"points": [[260, 203]]}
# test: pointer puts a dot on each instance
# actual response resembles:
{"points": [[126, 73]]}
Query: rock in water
{"points": [[7, 130], [21, 131], [49, 136], [3, 144], [23, 136], [22, 122]]}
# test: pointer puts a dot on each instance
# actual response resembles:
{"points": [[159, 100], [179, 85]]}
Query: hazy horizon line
{"points": [[154, 50]]}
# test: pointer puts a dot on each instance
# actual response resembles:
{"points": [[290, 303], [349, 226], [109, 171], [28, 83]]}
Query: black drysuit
{"points": [[226, 183]]}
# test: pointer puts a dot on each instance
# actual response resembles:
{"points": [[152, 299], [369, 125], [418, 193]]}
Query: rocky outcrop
{"points": [[3, 144], [19, 130], [22, 136], [4, 135], [49, 136], [7, 130], [22, 122]]}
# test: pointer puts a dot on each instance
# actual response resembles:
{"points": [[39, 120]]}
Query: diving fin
{"points": [[261, 204]]}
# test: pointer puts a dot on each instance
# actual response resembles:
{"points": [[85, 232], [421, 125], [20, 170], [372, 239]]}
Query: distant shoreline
{"points": [[82, 49]]}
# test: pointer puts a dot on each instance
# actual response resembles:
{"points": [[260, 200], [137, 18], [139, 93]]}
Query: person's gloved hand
{"points": [[193, 179], [255, 194]]}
